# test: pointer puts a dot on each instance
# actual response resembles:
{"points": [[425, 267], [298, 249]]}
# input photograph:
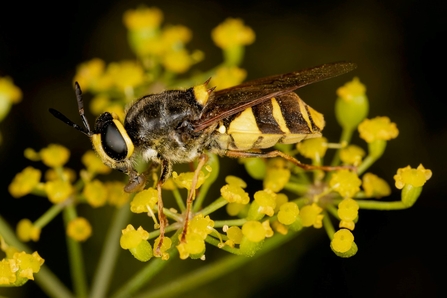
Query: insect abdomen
{"points": [[284, 119]]}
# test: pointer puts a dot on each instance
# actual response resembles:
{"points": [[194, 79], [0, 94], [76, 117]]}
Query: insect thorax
{"points": [[160, 126]]}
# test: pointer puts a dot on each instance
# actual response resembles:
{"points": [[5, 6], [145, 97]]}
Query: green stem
{"points": [[173, 215], [212, 271], [233, 222], [379, 205], [298, 189], [217, 204], [110, 252], [51, 213], [329, 228], [141, 278], [178, 199], [75, 256], [346, 136], [367, 162], [46, 279], [332, 210]]}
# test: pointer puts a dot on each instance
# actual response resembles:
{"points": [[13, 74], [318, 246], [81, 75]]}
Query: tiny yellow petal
{"points": [[379, 128], [232, 32], [54, 155], [24, 182], [415, 177], [79, 229], [342, 240], [346, 183]]}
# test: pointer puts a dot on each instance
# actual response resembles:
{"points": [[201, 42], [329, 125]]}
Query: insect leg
{"points": [[202, 160], [166, 169], [277, 153]]}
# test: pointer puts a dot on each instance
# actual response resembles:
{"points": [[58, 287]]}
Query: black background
{"points": [[400, 54]]}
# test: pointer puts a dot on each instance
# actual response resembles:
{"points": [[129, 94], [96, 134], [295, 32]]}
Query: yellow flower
{"points": [[131, 238], [26, 231], [228, 76], [281, 199], [95, 193], [67, 174], [58, 190], [352, 155], [142, 17], [136, 242], [8, 270], [54, 155], [232, 32], [346, 183], [174, 37], [415, 177], [351, 90], [94, 164], [342, 241], [288, 213], [348, 212], [253, 231], [234, 236], [379, 128], [234, 194], [24, 182], [313, 148], [375, 186], [99, 104], [268, 229], [236, 181], [184, 180], [276, 178], [167, 243], [90, 76], [177, 61], [9, 94], [79, 229], [233, 209], [116, 195], [125, 74], [201, 225], [311, 216], [276, 175], [144, 200], [28, 264], [266, 202]]}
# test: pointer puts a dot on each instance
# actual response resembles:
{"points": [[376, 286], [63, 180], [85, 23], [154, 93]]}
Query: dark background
{"points": [[400, 54]]}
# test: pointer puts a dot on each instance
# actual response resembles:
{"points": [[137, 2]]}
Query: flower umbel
{"points": [[185, 207]]}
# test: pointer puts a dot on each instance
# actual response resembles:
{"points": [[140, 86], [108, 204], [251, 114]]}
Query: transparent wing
{"points": [[233, 100]]}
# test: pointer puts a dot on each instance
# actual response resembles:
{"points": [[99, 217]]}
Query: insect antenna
{"points": [[81, 106], [87, 131]]}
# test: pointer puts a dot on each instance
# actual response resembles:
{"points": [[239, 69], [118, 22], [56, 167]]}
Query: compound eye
{"points": [[113, 142]]}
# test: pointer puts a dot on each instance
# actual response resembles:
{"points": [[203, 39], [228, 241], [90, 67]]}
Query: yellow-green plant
{"points": [[291, 199]]}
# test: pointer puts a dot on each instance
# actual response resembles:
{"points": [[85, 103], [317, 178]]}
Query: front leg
{"points": [[136, 182]]}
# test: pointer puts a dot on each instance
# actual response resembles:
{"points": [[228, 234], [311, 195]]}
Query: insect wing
{"points": [[233, 100]]}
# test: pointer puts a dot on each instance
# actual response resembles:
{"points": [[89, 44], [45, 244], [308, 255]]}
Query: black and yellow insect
{"points": [[179, 126]]}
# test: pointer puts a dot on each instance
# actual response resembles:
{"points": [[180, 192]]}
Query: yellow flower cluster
{"points": [[379, 128], [79, 229], [232, 33], [18, 267], [415, 177], [136, 242], [165, 45], [9, 94], [199, 227]]}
